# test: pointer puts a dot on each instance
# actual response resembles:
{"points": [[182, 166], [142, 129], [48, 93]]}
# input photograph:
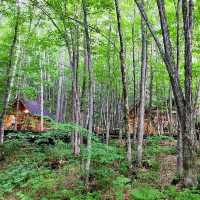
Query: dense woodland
{"points": [[100, 99]]}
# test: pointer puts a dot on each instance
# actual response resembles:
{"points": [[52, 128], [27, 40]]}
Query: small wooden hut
{"points": [[155, 121], [26, 116], [149, 128]]}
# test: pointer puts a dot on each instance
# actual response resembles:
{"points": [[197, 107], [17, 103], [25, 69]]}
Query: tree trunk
{"points": [[177, 34], [76, 103], [142, 94], [73, 52], [90, 88], [107, 119], [14, 70], [180, 137], [124, 81], [189, 140], [108, 104], [170, 126], [151, 82], [41, 95], [83, 89], [9, 78], [179, 164], [134, 80], [183, 104], [60, 84]]}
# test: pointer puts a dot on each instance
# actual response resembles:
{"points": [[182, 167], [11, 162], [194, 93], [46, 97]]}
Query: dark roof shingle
{"points": [[35, 108]]}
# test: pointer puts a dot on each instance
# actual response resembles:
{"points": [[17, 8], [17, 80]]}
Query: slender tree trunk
{"points": [[124, 81], [14, 70], [73, 52], [108, 105], [179, 164], [76, 103], [178, 35], [60, 84], [8, 73], [83, 89], [151, 82], [107, 119], [62, 102], [170, 124], [134, 80], [197, 98], [90, 88], [41, 95], [189, 139], [183, 104], [142, 94], [180, 138]]}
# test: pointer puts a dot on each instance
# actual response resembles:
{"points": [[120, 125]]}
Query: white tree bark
{"points": [[60, 84], [41, 95], [142, 94]]}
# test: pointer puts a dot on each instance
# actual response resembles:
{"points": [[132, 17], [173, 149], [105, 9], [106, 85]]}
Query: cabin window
{"points": [[26, 111], [13, 119]]}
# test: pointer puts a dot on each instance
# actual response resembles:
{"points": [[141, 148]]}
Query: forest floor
{"points": [[43, 171], [167, 169]]}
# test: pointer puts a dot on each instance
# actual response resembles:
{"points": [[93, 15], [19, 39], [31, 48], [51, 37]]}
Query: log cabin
{"points": [[149, 128], [26, 116], [155, 121]]}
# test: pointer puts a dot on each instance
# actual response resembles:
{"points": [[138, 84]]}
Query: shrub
{"points": [[186, 194], [104, 177], [59, 151], [146, 193], [11, 147]]}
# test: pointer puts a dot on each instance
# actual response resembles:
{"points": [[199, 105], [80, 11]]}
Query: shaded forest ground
{"points": [[42, 171]]}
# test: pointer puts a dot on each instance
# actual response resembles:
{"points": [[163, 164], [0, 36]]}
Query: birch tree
{"points": [[41, 93]]}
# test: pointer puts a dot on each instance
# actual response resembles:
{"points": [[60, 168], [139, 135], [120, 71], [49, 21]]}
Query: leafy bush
{"points": [[119, 185], [123, 168], [186, 194], [15, 176], [93, 196], [60, 151], [153, 148], [120, 182], [149, 177], [147, 193], [101, 153], [104, 177], [11, 147]]}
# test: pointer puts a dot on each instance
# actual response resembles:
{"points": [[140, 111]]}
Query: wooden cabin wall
{"points": [[156, 122], [149, 128], [7, 123], [25, 122]]}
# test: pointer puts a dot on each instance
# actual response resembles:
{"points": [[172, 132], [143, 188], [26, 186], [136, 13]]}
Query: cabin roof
{"points": [[34, 107]]}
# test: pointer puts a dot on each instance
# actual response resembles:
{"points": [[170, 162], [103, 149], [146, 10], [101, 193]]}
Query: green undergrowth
{"points": [[43, 171], [169, 193], [154, 148]]}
